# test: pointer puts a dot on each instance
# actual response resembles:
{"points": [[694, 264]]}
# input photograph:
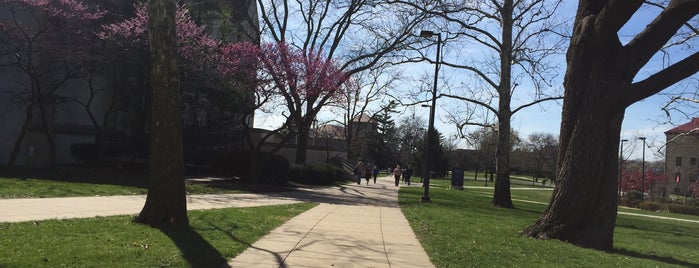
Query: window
{"points": [[693, 161], [678, 161]]}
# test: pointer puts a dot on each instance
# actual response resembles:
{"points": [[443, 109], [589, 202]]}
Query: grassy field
{"points": [[42, 188], [462, 229], [215, 236]]}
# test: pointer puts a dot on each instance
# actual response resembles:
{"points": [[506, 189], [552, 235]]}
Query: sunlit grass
{"points": [[41, 188], [462, 229], [215, 236]]}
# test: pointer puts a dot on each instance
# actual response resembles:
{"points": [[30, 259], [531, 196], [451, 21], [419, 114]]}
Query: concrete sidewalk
{"points": [[34, 209], [354, 225]]}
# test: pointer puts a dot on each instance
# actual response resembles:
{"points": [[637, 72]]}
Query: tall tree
{"points": [[601, 81], [367, 88], [521, 37], [166, 203]]}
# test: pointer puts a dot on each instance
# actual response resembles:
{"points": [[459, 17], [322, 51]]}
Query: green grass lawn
{"points": [[215, 236], [42, 188], [462, 229]]}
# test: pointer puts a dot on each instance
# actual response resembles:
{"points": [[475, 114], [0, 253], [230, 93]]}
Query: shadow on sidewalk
{"points": [[195, 249]]}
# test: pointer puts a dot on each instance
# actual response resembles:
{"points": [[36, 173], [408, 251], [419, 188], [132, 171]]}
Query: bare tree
{"points": [[603, 78], [517, 39], [370, 86], [46, 42], [544, 147]]}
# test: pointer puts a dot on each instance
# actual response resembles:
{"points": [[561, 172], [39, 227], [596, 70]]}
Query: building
{"points": [[681, 153], [120, 110]]}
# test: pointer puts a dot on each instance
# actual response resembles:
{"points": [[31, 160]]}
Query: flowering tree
{"points": [[632, 178], [46, 42], [307, 82], [694, 189]]}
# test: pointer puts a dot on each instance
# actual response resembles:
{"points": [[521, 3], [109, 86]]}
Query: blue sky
{"points": [[644, 118]]}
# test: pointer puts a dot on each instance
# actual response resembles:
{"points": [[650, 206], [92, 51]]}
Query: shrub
{"points": [[316, 174], [273, 169], [85, 152], [670, 207]]}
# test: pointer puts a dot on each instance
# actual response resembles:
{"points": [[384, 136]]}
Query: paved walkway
{"points": [[354, 226]]}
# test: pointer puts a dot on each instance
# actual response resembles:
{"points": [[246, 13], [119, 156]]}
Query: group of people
{"points": [[364, 170], [405, 173]]}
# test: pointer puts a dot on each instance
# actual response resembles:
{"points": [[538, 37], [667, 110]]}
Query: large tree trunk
{"points": [[48, 127], [599, 85], [302, 145], [584, 205], [166, 203], [23, 132], [501, 194]]}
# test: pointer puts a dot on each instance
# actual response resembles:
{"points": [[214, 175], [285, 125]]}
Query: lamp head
{"points": [[425, 33]]}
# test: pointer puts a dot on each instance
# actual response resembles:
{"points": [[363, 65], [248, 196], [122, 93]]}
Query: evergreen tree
{"points": [[385, 152]]}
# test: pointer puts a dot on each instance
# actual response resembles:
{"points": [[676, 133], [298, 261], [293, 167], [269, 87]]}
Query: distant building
{"points": [[361, 129], [681, 153]]}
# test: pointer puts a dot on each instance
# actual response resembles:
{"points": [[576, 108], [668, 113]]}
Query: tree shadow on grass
{"points": [[278, 258], [195, 249], [663, 259]]}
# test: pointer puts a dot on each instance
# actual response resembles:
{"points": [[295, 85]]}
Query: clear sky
{"points": [[643, 119]]}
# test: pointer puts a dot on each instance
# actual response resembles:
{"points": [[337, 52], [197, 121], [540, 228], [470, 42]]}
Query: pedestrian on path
{"points": [[367, 173], [359, 171], [407, 174], [375, 172], [396, 173]]}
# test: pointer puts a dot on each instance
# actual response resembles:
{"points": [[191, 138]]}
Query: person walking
{"points": [[407, 174], [367, 173], [375, 172], [396, 173], [359, 171]]}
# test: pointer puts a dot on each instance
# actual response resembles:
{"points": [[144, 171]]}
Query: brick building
{"points": [[681, 167]]}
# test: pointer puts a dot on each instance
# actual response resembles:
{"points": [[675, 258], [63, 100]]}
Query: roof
{"points": [[363, 118], [330, 131], [692, 125]]}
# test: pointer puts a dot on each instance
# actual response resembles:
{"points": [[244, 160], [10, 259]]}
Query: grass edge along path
{"points": [[462, 229], [42, 188], [212, 239]]}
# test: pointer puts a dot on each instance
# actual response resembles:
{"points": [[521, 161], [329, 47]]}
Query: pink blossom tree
{"points": [[307, 82], [632, 178], [694, 189], [46, 42], [298, 84]]}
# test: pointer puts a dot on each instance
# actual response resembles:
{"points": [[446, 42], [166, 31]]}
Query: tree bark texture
{"points": [[501, 194], [166, 203], [23, 132], [599, 85]]}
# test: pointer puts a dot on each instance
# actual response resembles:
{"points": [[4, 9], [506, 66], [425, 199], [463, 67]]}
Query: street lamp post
{"points": [[643, 169], [621, 163], [430, 127]]}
